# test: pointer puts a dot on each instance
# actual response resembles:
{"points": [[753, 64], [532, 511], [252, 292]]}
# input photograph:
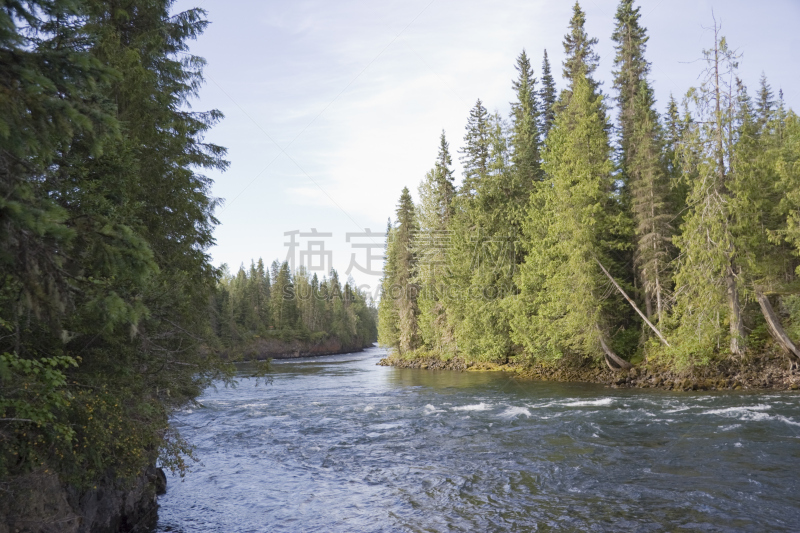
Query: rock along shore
{"points": [[764, 372], [38, 502]]}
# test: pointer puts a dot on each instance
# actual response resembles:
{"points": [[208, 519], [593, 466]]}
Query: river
{"points": [[340, 444]]}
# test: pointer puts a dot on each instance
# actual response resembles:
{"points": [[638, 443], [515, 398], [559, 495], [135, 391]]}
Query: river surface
{"points": [[340, 444]]}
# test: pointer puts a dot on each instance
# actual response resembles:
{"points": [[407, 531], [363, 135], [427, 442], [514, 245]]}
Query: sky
{"points": [[331, 108]]}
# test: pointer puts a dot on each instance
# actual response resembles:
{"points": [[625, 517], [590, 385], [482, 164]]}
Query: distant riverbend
{"points": [[341, 444]]}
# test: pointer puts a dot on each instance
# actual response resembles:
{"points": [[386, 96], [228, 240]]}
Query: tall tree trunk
{"points": [[736, 322], [659, 304]]}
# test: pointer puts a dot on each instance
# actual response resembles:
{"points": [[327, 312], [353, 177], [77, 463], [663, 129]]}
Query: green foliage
{"points": [[643, 180], [399, 291], [547, 98], [699, 215], [525, 124], [580, 58], [105, 222], [250, 306], [564, 306]]}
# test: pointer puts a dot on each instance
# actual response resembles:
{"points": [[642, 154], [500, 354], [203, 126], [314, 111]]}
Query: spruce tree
{"points": [[485, 253], [444, 181], [475, 158], [766, 103], [630, 71], [388, 308], [430, 247], [525, 125], [642, 179], [786, 126], [708, 281], [580, 59], [650, 201], [565, 306], [283, 302], [107, 221], [406, 265], [547, 97]]}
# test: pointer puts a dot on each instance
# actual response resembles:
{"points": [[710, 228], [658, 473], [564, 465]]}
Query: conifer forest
{"points": [[111, 313], [593, 227]]}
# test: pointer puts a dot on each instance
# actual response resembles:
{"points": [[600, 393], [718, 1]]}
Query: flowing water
{"points": [[340, 444]]}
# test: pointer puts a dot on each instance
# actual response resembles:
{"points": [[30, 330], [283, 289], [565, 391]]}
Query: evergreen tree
{"points": [[106, 225], [672, 158], [475, 158], [525, 124], [445, 188], [644, 184], [709, 279], [786, 127], [430, 246], [565, 306], [631, 70], [283, 303], [388, 309], [757, 222], [262, 294], [766, 103], [652, 209], [484, 254], [547, 98], [580, 59], [406, 260]]}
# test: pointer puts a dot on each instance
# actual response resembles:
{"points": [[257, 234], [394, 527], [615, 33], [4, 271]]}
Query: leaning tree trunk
{"points": [[776, 330], [613, 361]]}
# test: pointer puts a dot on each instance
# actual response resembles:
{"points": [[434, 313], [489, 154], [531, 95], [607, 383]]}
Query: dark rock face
{"points": [[39, 503], [158, 478]]}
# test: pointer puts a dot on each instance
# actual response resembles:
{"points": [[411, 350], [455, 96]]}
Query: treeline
{"points": [[673, 235], [259, 304], [105, 223]]}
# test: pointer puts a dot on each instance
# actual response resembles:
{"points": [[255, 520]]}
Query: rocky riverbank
{"points": [[39, 502], [763, 372]]}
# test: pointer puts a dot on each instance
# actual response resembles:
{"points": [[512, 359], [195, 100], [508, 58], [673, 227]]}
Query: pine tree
{"points": [[547, 98]]}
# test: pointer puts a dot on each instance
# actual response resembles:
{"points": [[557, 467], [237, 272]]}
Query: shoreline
{"points": [[760, 373], [266, 349]]}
